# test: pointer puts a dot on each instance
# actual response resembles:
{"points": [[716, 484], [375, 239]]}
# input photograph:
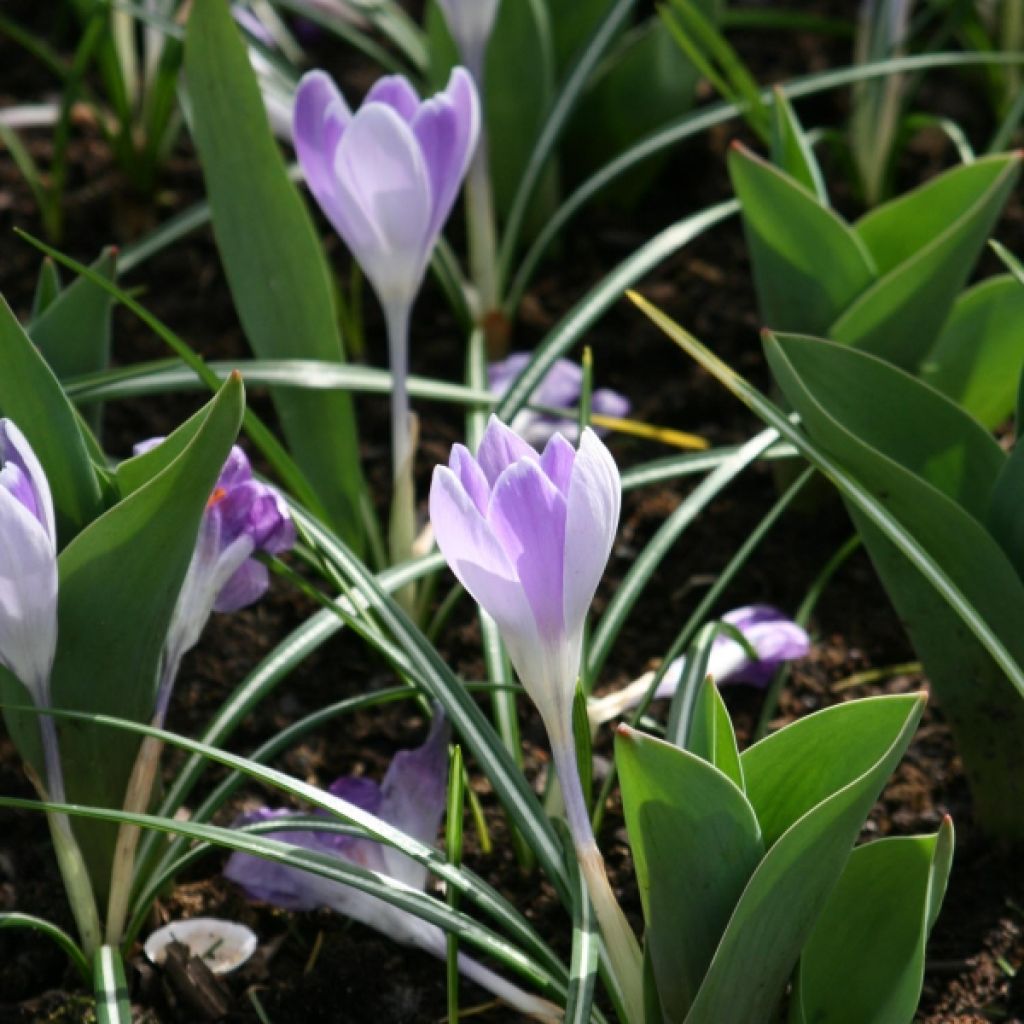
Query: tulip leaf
{"points": [[695, 843], [979, 355], [133, 473], [808, 264], [73, 332], [275, 266], [47, 287], [796, 768], [119, 582], [925, 245], [934, 470], [785, 896], [31, 395], [864, 962], [712, 736], [791, 150]]}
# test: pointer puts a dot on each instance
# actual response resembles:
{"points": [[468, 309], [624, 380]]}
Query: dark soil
{"points": [[318, 967]]}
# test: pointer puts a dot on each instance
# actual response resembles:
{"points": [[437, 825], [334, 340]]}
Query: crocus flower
{"points": [[242, 517], [387, 176], [411, 798], [470, 23], [560, 388], [529, 536], [28, 566], [773, 636]]}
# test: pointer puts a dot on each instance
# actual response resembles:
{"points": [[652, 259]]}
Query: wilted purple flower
{"points": [[470, 23], [411, 798], [28, 566], [387, 176], [529, 536], [560, 388], [242, 517], [773, 636]]}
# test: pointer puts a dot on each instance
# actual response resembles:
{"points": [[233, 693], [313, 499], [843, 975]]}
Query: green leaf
{"points": [[1010, 261], [979, 355], [712, 736], [31, 396], [47, 287], [864, 962], [925, 245], [695, 843], [119, 582], [641, 85], [809, 265], [793, 770], [791, 151], [274, 264], [786, 894], [14, 919], [73, 332], [572, 22], [112, 1003]]}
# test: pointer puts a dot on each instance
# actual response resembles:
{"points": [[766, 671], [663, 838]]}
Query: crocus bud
{"points": [[774, 637], [387, 176], [470, 23], [242, 517], [560, 388], [529, 536], [28, 565]]}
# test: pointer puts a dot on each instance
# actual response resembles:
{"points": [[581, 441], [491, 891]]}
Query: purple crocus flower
{"points": [[470, 23], [387, 176], [28, 566], [411, 798], [773, 636], [560, 388], [529, 536], [243, 516]]}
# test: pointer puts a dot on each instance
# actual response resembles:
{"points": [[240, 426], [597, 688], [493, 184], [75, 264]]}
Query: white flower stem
{"points": [[136, 801], [73, 871], [483, 246], [623, 948], [403, 446]]}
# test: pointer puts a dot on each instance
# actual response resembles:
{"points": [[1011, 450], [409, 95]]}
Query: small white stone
{"points": [[221, 945]]}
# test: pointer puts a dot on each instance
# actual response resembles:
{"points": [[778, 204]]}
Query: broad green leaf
{"points": [[895, 414], [808, 264], [864, 961], [966, 679], [47, 287], [791, 151], [795, 769], [712, 736], [572, 22], [979, 355], [119, 582], [925, 245], [642, 84], [274, 264], [135, 472], [73, 332], [789, 889], [695, 843], [31, 395], [515, 104]]}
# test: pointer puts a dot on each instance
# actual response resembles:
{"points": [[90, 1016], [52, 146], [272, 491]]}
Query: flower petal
{"points": [[396, 92], [246, 586], [557, 462], [321, 117], [14, 447], [499, 448], [528, 516], [593, 505], [382, 177], [28, 597], [471, 476]]}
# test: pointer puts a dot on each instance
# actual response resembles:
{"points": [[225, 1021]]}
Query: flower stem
{"points": [[77, 883], [623, 948], [483, 251], [403, 447]]}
